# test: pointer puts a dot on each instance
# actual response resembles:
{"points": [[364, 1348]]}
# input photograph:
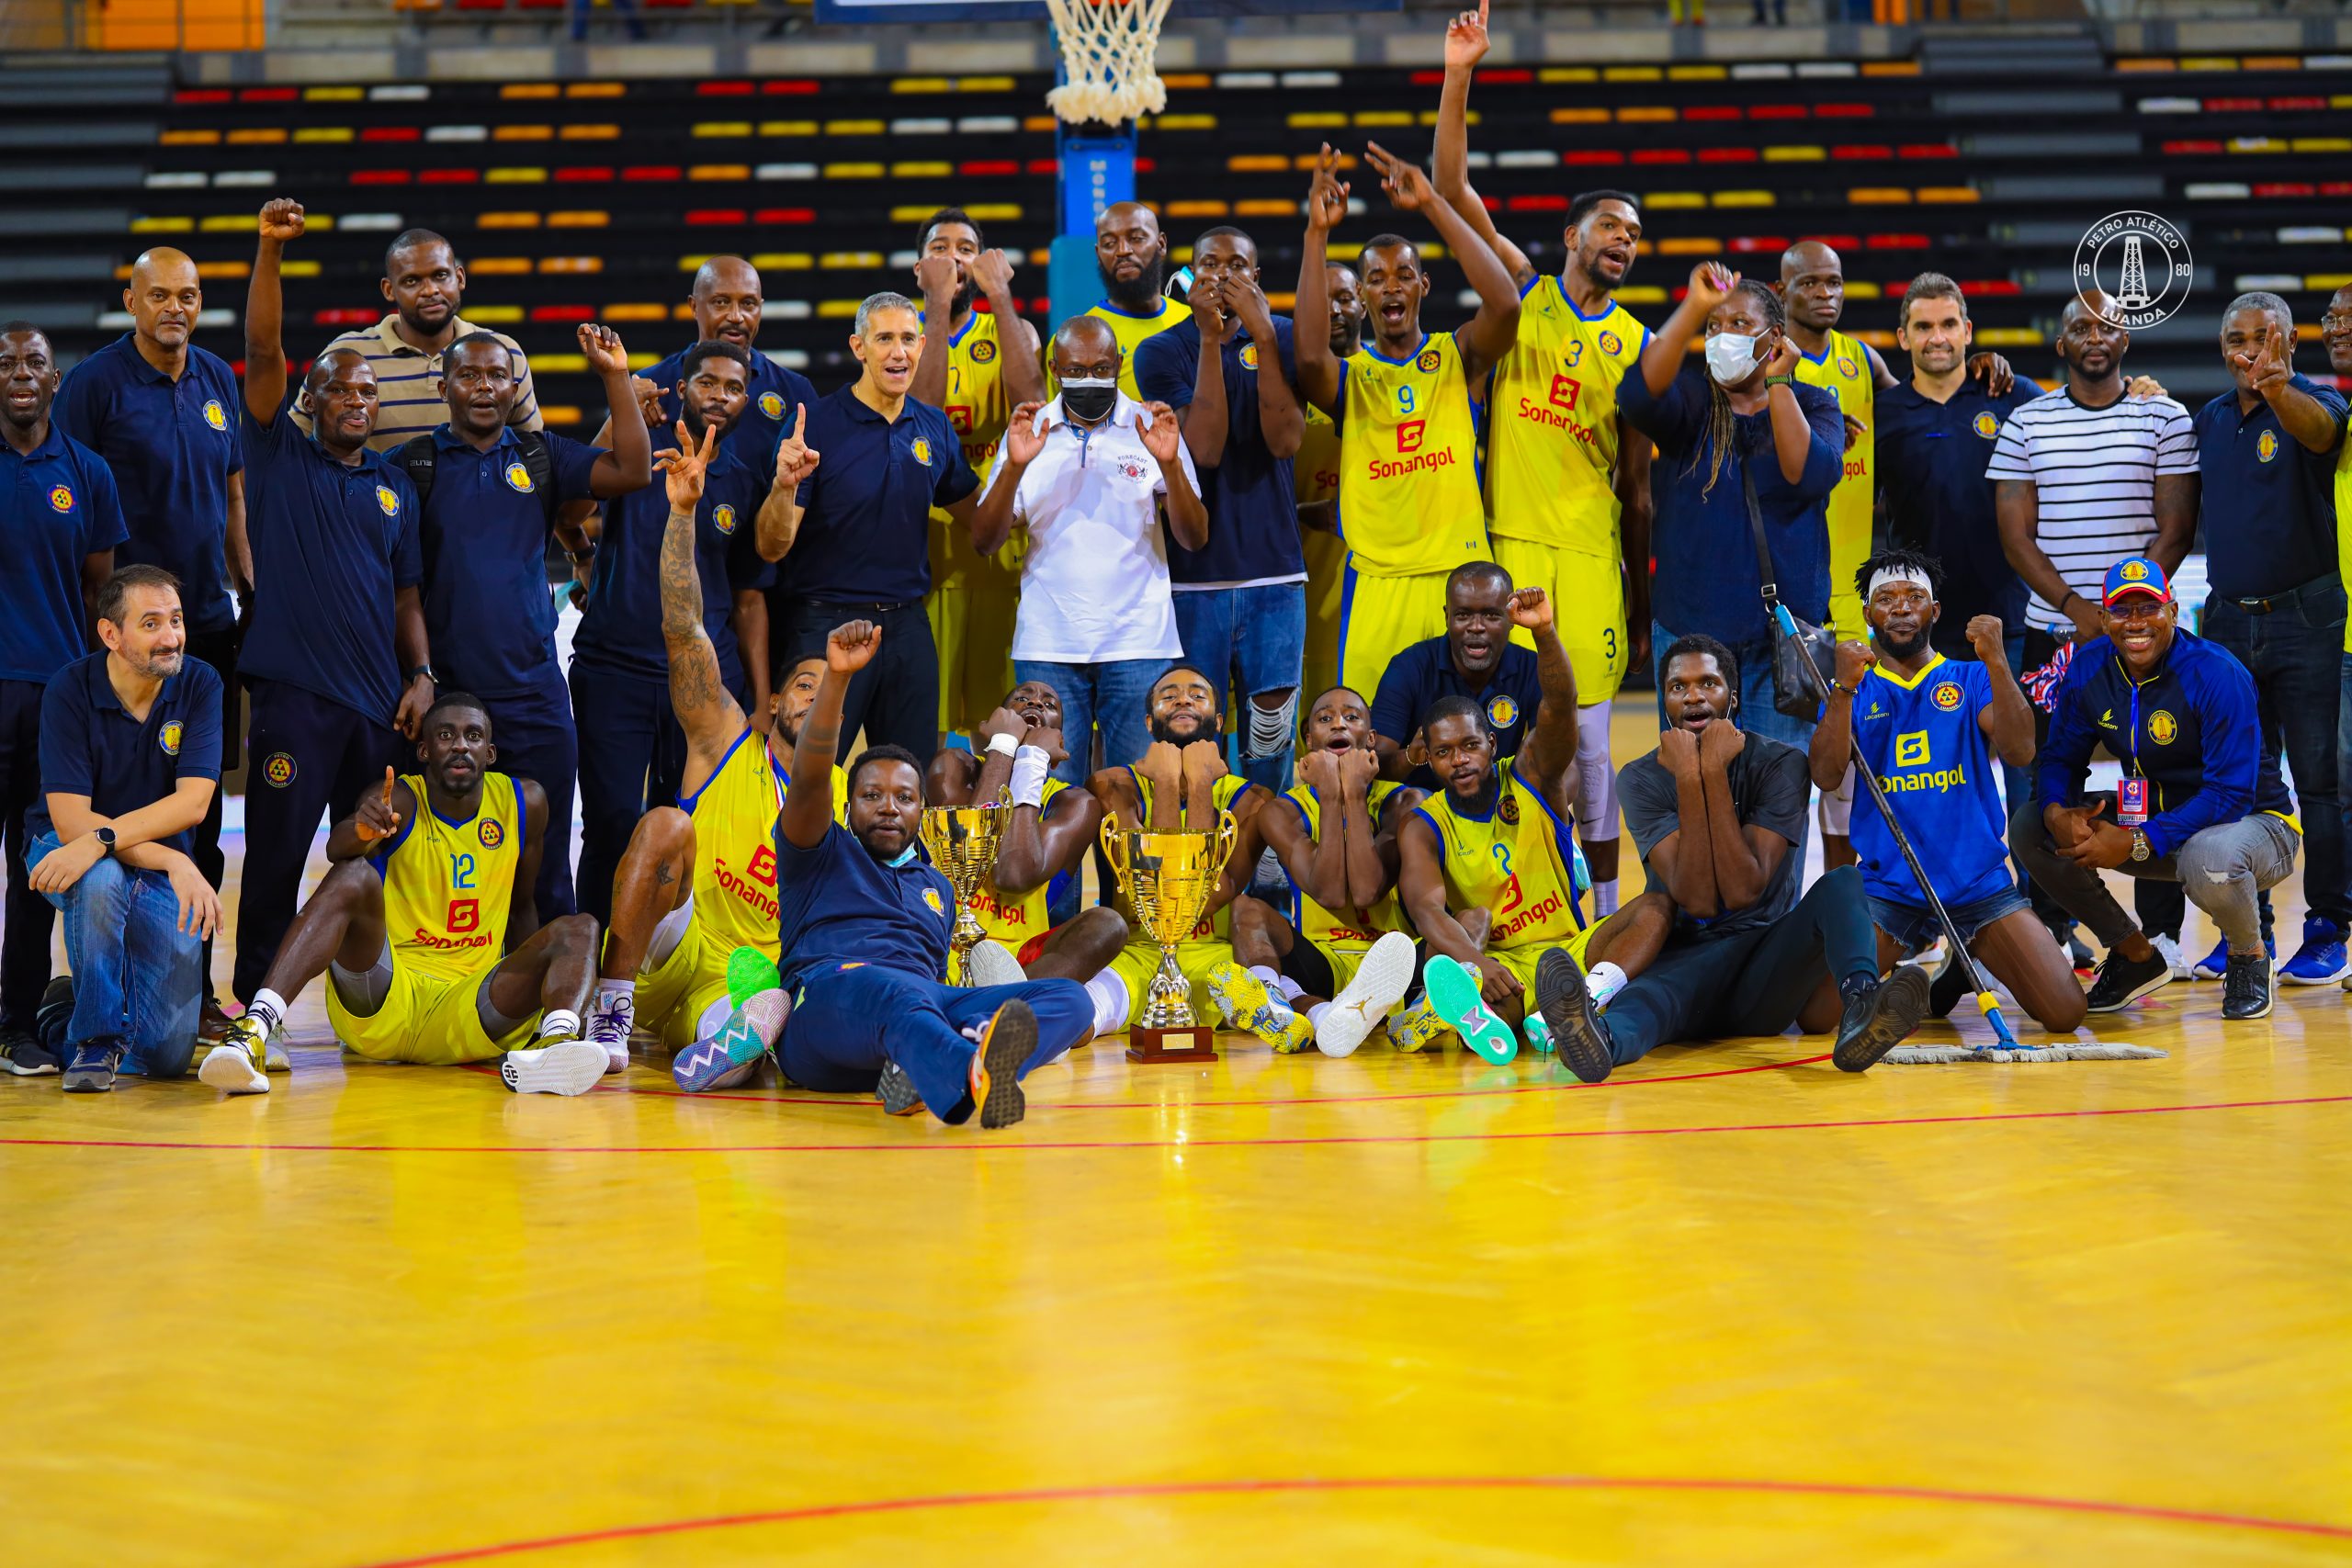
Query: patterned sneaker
{"points": [[234, 1067], [1379, 985], [748, 1033], [564, 1066], [993, 965], [896, 1091], [1246, 1003], [996, 1066], [1453, 992], [93, 1067], [1416, 1028], [612, 1019]]}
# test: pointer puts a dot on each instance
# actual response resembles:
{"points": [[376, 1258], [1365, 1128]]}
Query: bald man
{"points": [[1131, 252], [335, 657], [162, 412]]}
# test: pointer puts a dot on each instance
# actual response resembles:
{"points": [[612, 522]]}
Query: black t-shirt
{"points": [[1770, 787]]}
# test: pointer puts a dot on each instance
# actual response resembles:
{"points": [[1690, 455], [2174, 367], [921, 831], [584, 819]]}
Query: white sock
{"points": [[1604, 981], [1110, 995], [1604, 898], [267, 1009], [558, 1023], [1272, 976], [606, 989], [1314, 1014]]}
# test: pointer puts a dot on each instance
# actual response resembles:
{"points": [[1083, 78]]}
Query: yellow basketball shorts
{"points": [[971, 625], [672, 996], [1345, 959], [1382, 617], [1327, 566], [1139, 961], [425, 1019], [1521, 961], [1588, 594]]}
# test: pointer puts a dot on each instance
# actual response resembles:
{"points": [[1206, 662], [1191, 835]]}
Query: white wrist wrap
{"points": [[1029, 768], [1002, 745]]}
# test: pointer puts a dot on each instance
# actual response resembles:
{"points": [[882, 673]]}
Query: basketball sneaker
{"points": [[1564, 1000], [93, 1067], [612, 1019], [1453, 992], [748, 1033], [1246, 1003], [1416, 1028], [562, 1065], [896, 1091], [1378, 984], [996, 1066], [235, 1065], [992, 963]]}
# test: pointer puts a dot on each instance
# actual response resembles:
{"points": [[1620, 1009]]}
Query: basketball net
{"points": [[1107, 47]]}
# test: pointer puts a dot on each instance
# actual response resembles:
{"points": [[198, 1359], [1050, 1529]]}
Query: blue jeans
{"points": [[1111, 699], [138, 978], [848, 1020], [2296, 654], [1915, 925], [1258, 637]]}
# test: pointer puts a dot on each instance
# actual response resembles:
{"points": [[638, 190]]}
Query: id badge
{"points": [[2132, 803]]}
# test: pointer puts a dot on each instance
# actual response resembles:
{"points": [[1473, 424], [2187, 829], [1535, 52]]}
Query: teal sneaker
{"points": [[1454, 993], [1538, 1034]]}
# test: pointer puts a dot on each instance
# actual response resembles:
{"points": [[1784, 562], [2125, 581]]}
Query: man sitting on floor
{"points": [[1922, 722], [428, 930]]}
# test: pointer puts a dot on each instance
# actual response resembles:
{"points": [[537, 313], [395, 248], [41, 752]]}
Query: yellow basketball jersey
{"points": [[976, 406], [1845, 368], [448, 886], [2344, 521], [1551, 423], [734, 813], [1521, 865], [1319, 924], [1315, 471], [1408, 479], [1018, 921], [1228, 790], [1132, 329]]}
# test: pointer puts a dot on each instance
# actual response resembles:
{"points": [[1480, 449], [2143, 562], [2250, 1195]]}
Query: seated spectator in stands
{"points": [[130, 758], [1922, 722], [1475, 658], [2200, 803], [1717, 813]]}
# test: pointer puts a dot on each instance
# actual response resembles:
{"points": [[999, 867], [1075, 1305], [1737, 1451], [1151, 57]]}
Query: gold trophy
{"points": [[962, 841], [1169, 878]]}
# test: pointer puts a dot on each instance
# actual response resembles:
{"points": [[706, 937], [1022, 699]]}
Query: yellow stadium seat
{"points": [[932, 169], [1691, 247], [315, 134], [495, 315], [838, 309], [1579, 116], [596, 90], [1878, 195], [1199, 209], [855, 127], [1631, 73], [922, 84], [785, 260], [522, 132], [984, 83], [1552, 73], [529, 90], [1648, 114], [589, 133], [1798, 155], [636, 314], [164, 225], [719, 172], [579, 219], [508, 220], [499, 266], [518, 174], [849, 261], [1257, 163], [571, 265], [787, 127]]}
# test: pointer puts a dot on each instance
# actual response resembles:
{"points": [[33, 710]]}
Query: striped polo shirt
{"points": [[406, 404]]}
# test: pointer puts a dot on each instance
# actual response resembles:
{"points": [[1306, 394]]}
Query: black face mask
{"points": [[1089, 399]]}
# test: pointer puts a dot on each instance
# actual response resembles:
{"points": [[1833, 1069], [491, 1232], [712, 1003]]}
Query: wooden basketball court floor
{"points": [[1730, 1307]]}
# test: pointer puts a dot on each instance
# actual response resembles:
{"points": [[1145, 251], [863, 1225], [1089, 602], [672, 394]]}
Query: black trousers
{"points": [[894, 700], [26, 919], [536, 740], [632, 757], [311, 758], [220, 650]]}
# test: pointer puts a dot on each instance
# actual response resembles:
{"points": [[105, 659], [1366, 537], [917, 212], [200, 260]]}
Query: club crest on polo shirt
{"points": [[983, 353], [2266, 447], [492, 832], [722, 517], [2162, 728], [1428, 359], [772, 405], [931, 897], [1611, 345], [1249, 356], [213, 415], [169, 739], [1502, 710], [1947, 696], [277, 768], [1986, 426], [388, 500], [60, 499], [1133, 469], [518, 479], [921, 450]]}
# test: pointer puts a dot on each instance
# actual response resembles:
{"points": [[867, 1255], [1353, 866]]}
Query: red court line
{"points": [[980, 1145], [1383, 1484]]}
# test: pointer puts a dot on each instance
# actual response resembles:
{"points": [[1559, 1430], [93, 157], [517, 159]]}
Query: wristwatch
{"points": [[2141, 849], [1787, 379], [426, 671], [105, 840]]}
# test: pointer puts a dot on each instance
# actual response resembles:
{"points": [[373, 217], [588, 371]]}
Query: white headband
{"points": [[1887, 574]]}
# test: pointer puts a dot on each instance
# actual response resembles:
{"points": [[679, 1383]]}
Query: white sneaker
{"points": [[272, 1058], [992, 963], [560, 1066], [230, 1068], [2174, 959], [611, 1019], [1379, 985]]}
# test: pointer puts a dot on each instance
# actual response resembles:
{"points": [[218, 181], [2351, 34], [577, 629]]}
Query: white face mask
{"points": [[1730, 357]]}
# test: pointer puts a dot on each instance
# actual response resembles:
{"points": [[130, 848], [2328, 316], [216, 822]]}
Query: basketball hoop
{"points": [[1107, 47]]}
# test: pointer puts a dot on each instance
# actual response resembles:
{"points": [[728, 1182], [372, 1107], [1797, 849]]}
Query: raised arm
{"points": [[1368, 860], [1683, 862], [628, 466], [1280, 419], [1549, 754], [1490, 332], [281, 220], [778, 524], [1188, 516], [1745, 856], [1831, 751], [378, 817], [698, 696], [1466, 46], [2316, 425], [1793, 432], [808, 813], [1318, 368], [1206, 418], [2007, 719], [1022, 367], [1662, 356], [1000, 508], [1318, 863]]}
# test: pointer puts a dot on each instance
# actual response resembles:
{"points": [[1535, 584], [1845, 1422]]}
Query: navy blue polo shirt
{"points": [[777, 395], [1253, 508], [1423, 673], [866, 523], [2268, 501], [622, 628], [488, 613], [1931, 460], [172, 445], [57, 506], [332, 542], [837, 905], [90, 744]]}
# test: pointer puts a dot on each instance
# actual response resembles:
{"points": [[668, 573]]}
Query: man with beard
{"points": [[489, 496], [61, 521], [1131, 252], [426, 288], [1409, 484], [1049, 829], [1567, 491], [621, 654], [1716, 814], [427, 930], [1331, 969], [1475, 658], [698, 879], [1495, 840], [1922, 722], [865, 920], [1315, 479], [988, 366], [336, 662], [130, 760], [726, 307]]}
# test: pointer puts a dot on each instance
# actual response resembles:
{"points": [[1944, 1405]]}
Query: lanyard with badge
{"points": [[2132, 790]]}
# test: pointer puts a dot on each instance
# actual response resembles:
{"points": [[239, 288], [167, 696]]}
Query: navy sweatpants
{"points": [[849, 1020], [310, 757], [635, 758], [26, 917], [536, 740]]}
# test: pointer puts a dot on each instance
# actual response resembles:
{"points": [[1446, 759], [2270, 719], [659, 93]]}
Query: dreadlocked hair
{"points": [[1723, 428]]}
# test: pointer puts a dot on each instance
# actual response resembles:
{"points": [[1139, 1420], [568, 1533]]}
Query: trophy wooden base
{"points": [[1195, 1043]]}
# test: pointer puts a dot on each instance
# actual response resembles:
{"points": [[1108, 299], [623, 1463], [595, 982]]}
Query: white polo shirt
{"points": [[1094, 581]]}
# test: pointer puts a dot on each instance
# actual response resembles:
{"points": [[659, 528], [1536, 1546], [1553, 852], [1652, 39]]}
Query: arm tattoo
{"points": [[695, 686]]}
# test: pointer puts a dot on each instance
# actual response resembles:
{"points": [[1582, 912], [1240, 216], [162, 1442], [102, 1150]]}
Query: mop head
{"points": [[2065, 1051]]}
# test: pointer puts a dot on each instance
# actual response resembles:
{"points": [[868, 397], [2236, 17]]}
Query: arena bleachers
{"points": [[594, 199]]}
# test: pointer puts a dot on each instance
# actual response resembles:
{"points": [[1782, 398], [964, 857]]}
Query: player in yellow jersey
{"points": [[1496, 838], [1131, 252], [1051, 827], [1315, 474], [1567, 482], [990, 367], [698, 879], [1342, 958], [428, 933], [1409, 507]]}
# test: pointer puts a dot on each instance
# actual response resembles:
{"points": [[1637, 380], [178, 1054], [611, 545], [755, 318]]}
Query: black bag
{"points": [[1795, 691]]}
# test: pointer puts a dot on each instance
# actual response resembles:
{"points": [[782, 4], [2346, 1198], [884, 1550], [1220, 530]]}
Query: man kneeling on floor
{"points": [[864, 918], [2200, 802], [1714, 812], [428, 932]]}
